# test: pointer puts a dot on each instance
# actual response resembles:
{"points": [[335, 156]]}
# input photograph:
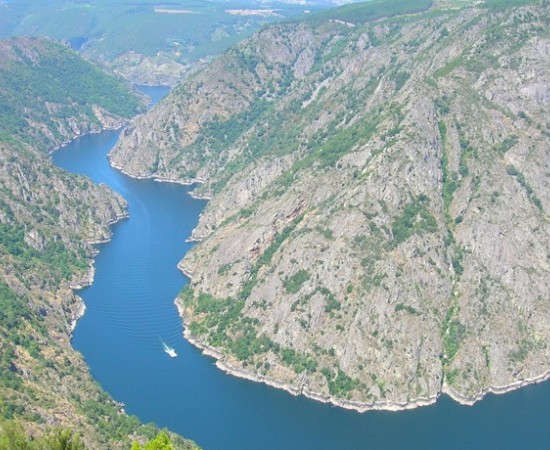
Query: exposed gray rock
{"points": [[379, 204]]}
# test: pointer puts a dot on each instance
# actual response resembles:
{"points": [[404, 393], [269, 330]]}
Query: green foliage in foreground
{"points": [[374, 9], [13, 437], [160, 442]]}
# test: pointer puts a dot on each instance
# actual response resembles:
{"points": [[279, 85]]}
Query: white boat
{"points": [[169, 350]]}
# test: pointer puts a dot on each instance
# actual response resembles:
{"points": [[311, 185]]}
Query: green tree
{"points": [[62, 439], [13, 437], [160, 442]]}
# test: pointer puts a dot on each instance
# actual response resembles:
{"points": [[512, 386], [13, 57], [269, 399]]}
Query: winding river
{"points": [[130, 312]]}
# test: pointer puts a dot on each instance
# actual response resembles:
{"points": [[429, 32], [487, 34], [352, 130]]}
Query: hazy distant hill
{"points": [[147, 41], [50, 94]]}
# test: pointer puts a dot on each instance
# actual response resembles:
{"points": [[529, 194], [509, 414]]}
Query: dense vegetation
{"points": [[54, 83], [106, 30], [35, 308], [161, 441], [14, 437], [56, 258]]}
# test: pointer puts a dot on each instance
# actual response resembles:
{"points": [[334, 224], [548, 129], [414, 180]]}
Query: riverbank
{"points": [[227, 367], [78, 306], [497, 390], [130, 305], [108, 123], [88, 278], [192, 194], [158, 179], [118, 125], [76, 315], [121, 169]]}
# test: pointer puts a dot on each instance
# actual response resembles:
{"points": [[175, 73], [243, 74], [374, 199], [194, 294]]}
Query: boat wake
{"points": [[170, 350]]}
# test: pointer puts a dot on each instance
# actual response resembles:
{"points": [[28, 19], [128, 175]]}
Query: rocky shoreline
{"points": [[189, 182], [113, 126], [407, 248], [88, 278], [121, 169], [229, 369], [497, 390], [360, 407], [76, 315]]}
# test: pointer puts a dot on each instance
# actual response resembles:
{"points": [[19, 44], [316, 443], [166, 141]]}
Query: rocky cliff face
{"points": [[378, 229], [48, 221]]}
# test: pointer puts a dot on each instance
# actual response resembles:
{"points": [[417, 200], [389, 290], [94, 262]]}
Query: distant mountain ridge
{"points": [[147, 42], [378, 231]]}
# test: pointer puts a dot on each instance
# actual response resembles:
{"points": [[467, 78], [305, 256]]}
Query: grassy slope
{"points": [[113, 28], [373, 10]]}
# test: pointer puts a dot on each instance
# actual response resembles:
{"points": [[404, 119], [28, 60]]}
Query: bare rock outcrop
{"points": [[378, 231]]}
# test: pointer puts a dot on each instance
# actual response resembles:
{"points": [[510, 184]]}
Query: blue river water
{"points": [[130, 312]]}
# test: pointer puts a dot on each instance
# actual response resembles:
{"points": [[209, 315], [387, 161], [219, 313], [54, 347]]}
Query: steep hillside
{"points": [[49, 221], [50, 95], [378, 229]]}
